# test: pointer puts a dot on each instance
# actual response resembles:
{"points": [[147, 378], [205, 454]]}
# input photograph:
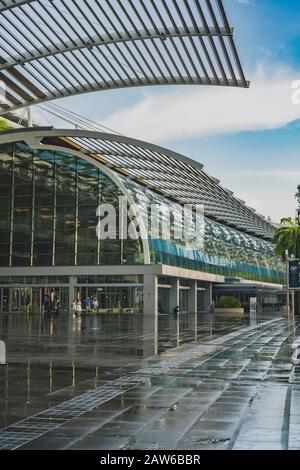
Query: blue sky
{"points": [[253, 146]]}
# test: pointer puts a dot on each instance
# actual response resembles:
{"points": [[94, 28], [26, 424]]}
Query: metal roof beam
{"points": [[113, 38], [119, 84], [10, 4]]}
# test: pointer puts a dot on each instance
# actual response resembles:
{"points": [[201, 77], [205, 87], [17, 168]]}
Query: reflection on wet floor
{"points": [[207, 388]]}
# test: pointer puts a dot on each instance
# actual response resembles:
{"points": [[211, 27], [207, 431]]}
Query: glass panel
{"points": [[5, 300], [15, 300]]}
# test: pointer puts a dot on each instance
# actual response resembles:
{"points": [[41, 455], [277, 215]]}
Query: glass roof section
{"points": [[172, 175]]}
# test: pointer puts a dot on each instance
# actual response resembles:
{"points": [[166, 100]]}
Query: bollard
{"points": [[2, 353]]}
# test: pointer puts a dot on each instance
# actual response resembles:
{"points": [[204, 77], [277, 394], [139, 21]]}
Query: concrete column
{"points": [[174, 302], [193, 308], [193, 297], [174, 294], [150, 316], [208, 297], [2, 353]]}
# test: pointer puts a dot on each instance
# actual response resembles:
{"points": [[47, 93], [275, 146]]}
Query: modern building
{"points": [[52, 183]]}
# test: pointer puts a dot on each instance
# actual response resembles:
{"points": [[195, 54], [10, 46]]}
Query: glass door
{"points": [[15, 300], [36, 300], [4, 300], [51, 299], [64, 299], [26, 300], [183, 301], [163, 300]]}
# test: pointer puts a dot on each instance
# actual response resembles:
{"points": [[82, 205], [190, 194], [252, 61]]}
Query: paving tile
{"points": [[187, 398]]}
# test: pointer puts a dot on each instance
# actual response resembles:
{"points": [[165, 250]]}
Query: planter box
{"points": [[238, 311]]}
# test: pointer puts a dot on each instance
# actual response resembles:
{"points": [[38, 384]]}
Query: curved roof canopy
{"points": [[172, 175], [52, 49]]}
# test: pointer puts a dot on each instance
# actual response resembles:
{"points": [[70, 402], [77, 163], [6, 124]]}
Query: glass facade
{"points": [[115, 294], [114, 298], [227, 252], [48, 207]]}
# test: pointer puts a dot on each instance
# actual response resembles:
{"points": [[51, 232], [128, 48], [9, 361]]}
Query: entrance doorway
{"points": [[4, 300], [54, 299], [32, 299]]}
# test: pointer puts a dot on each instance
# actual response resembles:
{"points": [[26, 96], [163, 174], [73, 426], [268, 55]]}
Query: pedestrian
{"points": [[176, 312], [74, 307], [47, 304], [56, 306], [28, 303], [88, 303], [95, 304], [78, 308]]}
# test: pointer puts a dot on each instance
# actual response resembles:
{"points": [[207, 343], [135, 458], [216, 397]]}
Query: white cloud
{"points": [[270, 191], [286, 175], [188, 112]]}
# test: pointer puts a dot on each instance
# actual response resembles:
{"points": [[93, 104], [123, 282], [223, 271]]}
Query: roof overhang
{"points": [[51, 50]]}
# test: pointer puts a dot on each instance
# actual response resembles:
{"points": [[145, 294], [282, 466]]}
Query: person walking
{"points": [[95, 305], [78, 308], [28, 303], [56, 305], [74, 307], [47, 304], [88, 303]]}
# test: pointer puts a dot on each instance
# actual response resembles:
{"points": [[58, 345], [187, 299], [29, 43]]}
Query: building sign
{"points": [[294, 274]]}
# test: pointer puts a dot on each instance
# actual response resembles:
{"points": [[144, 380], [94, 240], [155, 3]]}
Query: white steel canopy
{"points": [[51, 49], [165, 172]]}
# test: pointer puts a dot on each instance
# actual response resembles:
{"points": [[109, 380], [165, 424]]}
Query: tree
{"points": [[287, 238], [297, 195]]}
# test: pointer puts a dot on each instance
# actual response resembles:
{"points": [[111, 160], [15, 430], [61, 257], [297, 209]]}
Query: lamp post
{"points": [[287, 284], [293, 304]]}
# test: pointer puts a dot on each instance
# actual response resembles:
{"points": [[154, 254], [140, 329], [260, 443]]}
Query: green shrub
{"points": [[227, 301]]}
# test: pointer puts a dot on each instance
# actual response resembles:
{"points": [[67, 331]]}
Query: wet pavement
{"points": [[97, 383]]}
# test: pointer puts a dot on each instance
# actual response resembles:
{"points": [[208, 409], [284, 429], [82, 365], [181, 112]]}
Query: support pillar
{"points": [[150, 316], [193, 307], [208, 297], [2, 353], [193, 297], [174, 294], [174, 302]]}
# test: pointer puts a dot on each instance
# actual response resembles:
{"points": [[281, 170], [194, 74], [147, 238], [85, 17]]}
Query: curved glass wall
{"points": [[48, 207], [227, 251]]}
